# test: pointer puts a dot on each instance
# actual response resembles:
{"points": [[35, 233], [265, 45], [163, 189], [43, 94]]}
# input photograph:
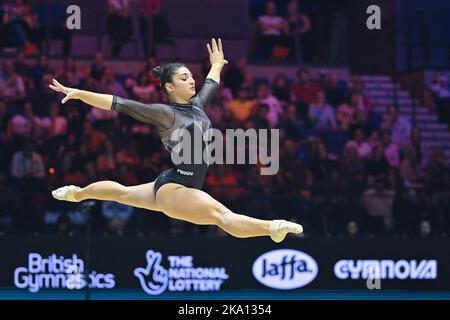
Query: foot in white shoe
{"points": [[280, 228], [66, 193]]}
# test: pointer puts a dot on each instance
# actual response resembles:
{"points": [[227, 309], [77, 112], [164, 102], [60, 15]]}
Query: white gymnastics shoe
{"points": [[66, 193], [280, 228]]}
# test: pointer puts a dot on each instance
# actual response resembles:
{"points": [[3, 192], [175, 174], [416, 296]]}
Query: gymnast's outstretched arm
{"points": [[160, 115], [212, 81]]}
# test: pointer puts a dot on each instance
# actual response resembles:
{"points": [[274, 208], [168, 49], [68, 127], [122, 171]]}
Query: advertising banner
{"points": [[156, 265]]}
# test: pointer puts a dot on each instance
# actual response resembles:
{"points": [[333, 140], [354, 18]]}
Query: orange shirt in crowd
{"points": [[241, 110]]}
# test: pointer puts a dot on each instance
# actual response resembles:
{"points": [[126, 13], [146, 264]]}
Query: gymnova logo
{"points": [[59, 272], [180, 276], [285, 269], [386, 269]]}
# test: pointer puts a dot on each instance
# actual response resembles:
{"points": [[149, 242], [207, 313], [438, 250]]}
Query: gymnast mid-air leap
{"points": [[176, 191]]}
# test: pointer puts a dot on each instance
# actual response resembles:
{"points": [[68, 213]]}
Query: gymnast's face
{"points": [[182, 86]]}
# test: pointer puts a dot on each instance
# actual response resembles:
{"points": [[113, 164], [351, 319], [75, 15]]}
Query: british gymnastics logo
{"points": [[59, 272], [180, 276]]}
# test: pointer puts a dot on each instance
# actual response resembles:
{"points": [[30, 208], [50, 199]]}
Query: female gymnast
{"points": [[177, 191]]}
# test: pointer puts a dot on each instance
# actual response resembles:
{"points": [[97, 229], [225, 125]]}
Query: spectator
{"points": [[160, 26], [21, 25], [143, 89], [437, 172], [358, 103], [12, 87], [26, 126], [147, 71], [334, 91], [410, 169], [127, 154], [321, 114], [111, 84], [234, 75], [439, 86], [298, 25], [281, 89], [304, 90], [264, 96], [27, 163], [21, 66], [391, 150], [69, 74], [345, 116], [126, 176], [290, 122], [51, 18], [41, 70], [98, 67], [358, 87], [321, 165], [55, 127], [377, 167], [400, 127], [106, 162], [91, 137], [441, 94], [364, 148], [352, 166], [28, 173], [74, 119], [241, 108], [259, 120], [118, 24], [271, 29], [71, 173], [353, 171], [360, 110]]}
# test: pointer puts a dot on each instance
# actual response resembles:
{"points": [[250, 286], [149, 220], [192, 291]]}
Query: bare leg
{"points": [[198, 207], [141, 196], [101, 190]]}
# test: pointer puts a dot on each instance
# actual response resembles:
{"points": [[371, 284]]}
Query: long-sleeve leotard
{"points": [[167, 118]]}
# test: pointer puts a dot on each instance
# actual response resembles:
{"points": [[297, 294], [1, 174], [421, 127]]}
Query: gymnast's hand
{"points": [[69, 92], [216, 53]]}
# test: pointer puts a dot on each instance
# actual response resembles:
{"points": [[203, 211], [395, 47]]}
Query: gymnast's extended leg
{"points": [[198, 207], [141, 196]]}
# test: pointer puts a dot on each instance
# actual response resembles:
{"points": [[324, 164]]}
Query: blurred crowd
{"points": [[29, 27], [344, 169]]}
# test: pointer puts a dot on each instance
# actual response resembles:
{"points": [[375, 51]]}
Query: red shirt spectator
{"points": [[305, 90]]}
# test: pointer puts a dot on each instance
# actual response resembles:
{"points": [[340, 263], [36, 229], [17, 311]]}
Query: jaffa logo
{"points": [[285, 269]]}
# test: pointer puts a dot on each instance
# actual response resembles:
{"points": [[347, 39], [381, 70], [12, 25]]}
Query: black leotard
{"points": [[166, 119]]}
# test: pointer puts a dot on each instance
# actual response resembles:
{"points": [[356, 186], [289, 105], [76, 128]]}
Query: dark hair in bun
{"points": [[165, 73]]}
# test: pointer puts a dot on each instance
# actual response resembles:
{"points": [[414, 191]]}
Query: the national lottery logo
{"points": [[181, 275]]}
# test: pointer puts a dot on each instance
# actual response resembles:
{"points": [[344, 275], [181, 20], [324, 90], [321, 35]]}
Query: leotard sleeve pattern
{"points": [[162, 116], [204, 97]]}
